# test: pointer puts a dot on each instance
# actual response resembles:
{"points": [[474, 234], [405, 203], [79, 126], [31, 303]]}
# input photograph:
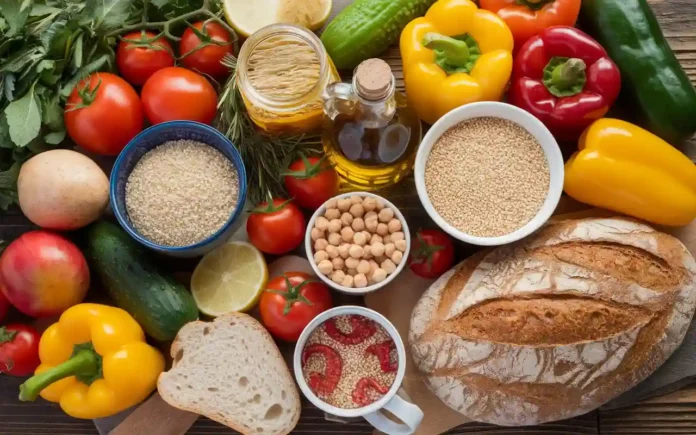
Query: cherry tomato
{"points": [[311, 182], [140, 55], [290, 302], [176, 93], [432, 253], [276, 228], [19, 350], [4, 306], [206, 60], [103, 113]]}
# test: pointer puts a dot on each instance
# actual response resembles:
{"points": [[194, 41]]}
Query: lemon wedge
{"points": [[230, 278], [247, 16]]}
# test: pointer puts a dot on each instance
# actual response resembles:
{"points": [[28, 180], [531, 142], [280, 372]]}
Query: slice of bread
{"points": [[231, 371]]}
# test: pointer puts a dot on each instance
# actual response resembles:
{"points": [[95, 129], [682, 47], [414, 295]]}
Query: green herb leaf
{"points": [[55, 137], [77, 53], [24, 118], [111, 14], [53, 32], [86, 70], [52, 112], [39, 10], [20, 60], [8, 186], [16, 13], [9, 86]]}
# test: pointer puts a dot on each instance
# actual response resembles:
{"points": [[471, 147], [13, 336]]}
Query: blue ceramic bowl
{"points": [[151, 138]]}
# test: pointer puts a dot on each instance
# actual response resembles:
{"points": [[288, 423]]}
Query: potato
{"points": [[62, 190]]}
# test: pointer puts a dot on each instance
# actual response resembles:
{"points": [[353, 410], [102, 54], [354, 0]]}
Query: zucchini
{"points": [[653, 79], [366, 28], [158, 303]]}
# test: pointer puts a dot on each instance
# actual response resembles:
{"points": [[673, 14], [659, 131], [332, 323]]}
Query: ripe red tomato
{"points": [[175, 93], [206, 60], [276, 228], [432, 253], [290, 302], [311, 182], [4, 306], [19, 350], [103, 113], [139, 56]]}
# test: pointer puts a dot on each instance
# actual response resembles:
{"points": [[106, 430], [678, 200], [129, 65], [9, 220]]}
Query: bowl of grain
{"points": [[489, 173], [357, 242], [179, 188]]}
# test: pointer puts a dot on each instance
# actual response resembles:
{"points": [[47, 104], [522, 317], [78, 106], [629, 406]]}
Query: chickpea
{"points": [[346, 219], [373, 266], [388, 266], [376, 238], [330, 203], [356, 251], [335, 226], [369, 203], [357, 210], [368, 236], [320, 256], [356, 199], [347, 281], [332, 214], [347, 234], [322, 223], [325, 267], [385, 215], [334, 239], [379, 275], [382, 229], [358, 224], [352, 263], [387, 239], [317, 234], [389, 249], [400, 245], [371, 225], [338, 263], [343, 250], [338, 276], [320, 244], [352, 272], [332, 251], [380, 259], [370, 215], [377, 249], [359, 239], [379, 205], [360, 280], [394, 225], [364, 267], [344, 204], [368, 255], [397, 256], [367, 251], [395, 237]]}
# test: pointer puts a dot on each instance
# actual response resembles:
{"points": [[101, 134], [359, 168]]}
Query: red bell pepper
{"points": [[566, 79]]}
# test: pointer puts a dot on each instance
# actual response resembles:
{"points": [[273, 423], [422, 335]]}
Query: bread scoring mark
{"points": [[622, 262], [544, 320]]}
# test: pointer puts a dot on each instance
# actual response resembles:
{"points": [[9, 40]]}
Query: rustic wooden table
{"points": [[671, 414]]}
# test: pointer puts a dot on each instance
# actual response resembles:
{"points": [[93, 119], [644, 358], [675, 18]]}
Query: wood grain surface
{"points": [[671, 414]]}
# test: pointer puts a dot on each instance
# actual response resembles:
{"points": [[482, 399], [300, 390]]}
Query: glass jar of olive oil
{"points": [[370, 135], [282, 71]]}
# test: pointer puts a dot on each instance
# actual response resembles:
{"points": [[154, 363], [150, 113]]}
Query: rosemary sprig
{"points": [[266, 157]]}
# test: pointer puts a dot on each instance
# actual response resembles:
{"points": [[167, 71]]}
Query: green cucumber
{"points": [[366, 28], [158, 303]]}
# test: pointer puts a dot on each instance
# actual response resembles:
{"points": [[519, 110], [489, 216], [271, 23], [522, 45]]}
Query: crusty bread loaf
{"points": [[231, 371], [555, 325]]}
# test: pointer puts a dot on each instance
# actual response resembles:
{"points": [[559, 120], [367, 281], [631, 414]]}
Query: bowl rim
{"points": [[552, 153], [122, 215], [309, 246], [347, 310]]}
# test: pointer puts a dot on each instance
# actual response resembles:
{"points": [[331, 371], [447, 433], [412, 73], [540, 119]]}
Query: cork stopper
{"points": [[373, 79]]}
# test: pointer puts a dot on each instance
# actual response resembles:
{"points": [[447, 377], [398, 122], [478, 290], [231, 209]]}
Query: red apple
{"points": [[42, 274]]}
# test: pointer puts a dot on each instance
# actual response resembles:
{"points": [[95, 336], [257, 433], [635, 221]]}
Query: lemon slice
{"points": [[230, 278], [247, 16]]}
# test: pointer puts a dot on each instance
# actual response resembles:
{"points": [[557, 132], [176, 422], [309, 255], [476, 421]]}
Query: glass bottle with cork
{"points": [[371, 135]]}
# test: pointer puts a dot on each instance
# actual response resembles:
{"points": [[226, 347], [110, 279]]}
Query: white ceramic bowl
{"points": [[520, 117], [309, 247]]}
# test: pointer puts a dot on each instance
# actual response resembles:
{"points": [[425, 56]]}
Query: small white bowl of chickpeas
{"points": [[357, 242]]}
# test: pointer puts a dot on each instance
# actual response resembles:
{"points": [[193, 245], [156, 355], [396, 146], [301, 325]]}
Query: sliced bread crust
{"points": [[231, 371]]}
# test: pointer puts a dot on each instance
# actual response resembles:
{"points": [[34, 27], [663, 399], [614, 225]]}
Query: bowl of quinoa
{"points": [[350, 361], [179, 188], [489, 173]]}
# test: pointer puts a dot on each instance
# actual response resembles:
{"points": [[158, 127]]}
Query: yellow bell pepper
{"points": [[94, 362], [454, 55], [623, 168]]}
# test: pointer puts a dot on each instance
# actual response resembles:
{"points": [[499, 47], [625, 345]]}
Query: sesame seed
{"points": [[487, 177]]}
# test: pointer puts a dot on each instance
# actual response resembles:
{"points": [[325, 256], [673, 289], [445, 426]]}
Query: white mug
{"points": [[408, 413]]}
